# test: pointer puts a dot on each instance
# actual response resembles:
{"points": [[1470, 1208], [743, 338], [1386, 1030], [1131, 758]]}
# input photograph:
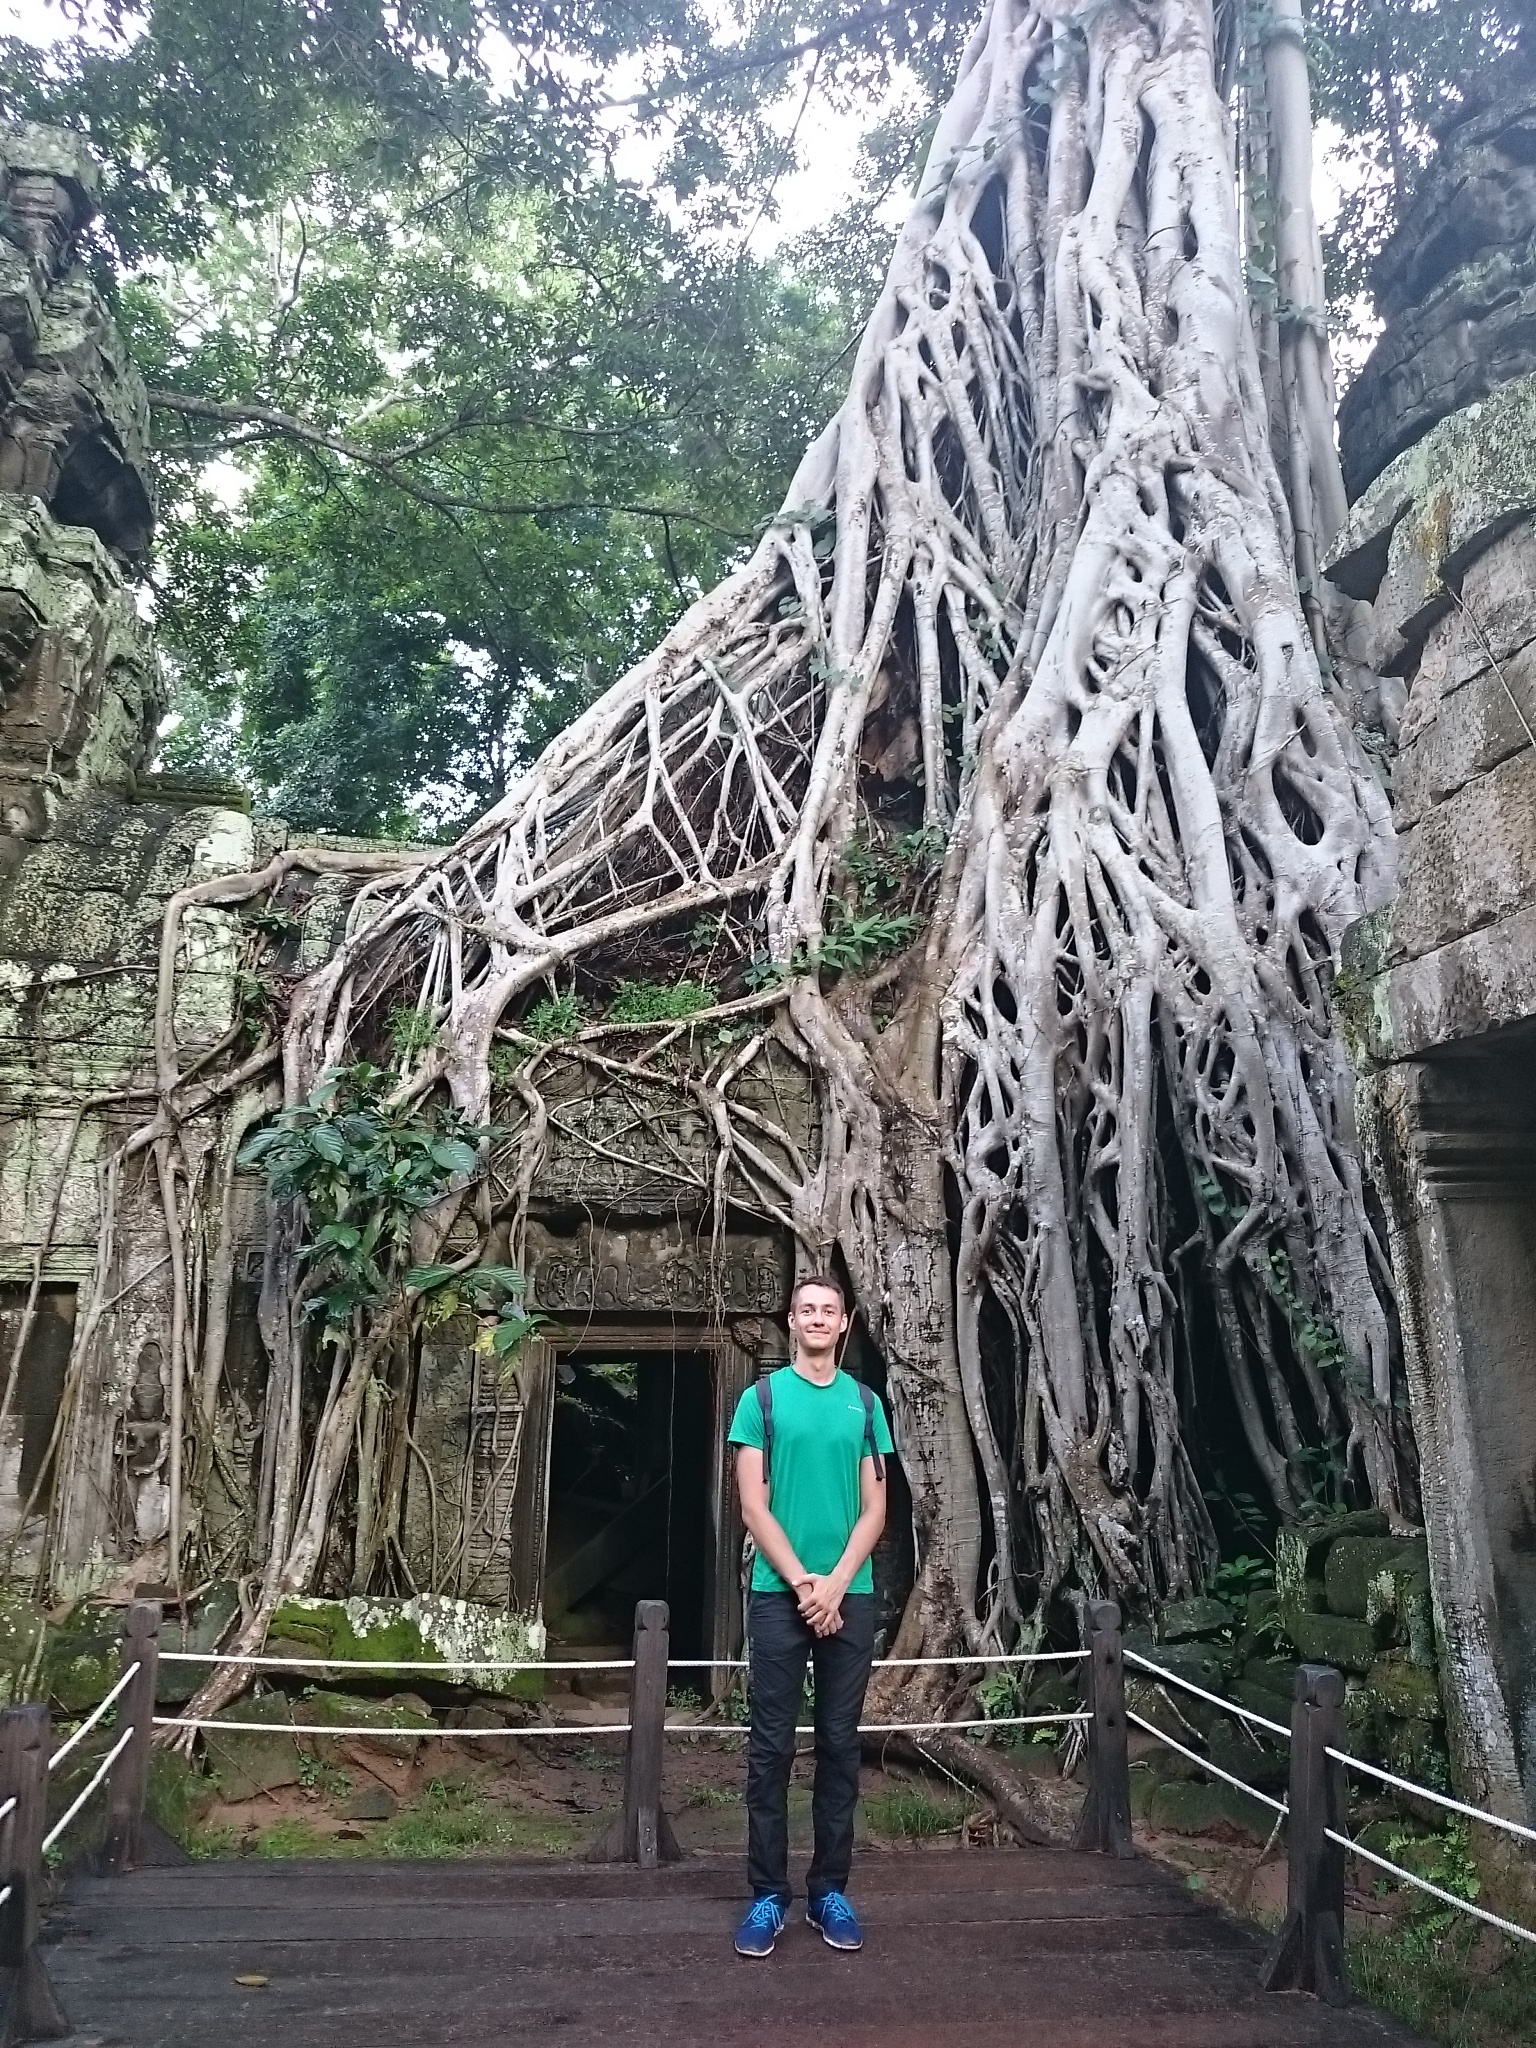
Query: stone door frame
{"points": [[732, 1369]]}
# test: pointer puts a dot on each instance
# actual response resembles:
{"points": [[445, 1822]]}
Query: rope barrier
{"points": [[86, 1726], [884, 1727], [106, 1764], [1435, 1891], [1492, 1820], [989, 1657], [1211, 1698], [1264, 1798], [603, 1727], [397, 1734], [440, 1664], [446, 1664]]}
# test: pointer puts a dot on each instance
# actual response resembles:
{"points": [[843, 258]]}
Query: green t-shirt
{"points": [[813, 1473]]}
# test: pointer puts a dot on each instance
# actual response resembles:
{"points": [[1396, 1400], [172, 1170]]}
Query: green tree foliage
{"points": [[1387, 72], [561, 423], [452, 418]]}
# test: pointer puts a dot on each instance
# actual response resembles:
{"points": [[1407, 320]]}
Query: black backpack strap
{"points": [[867, 1396], [765, 1402]]}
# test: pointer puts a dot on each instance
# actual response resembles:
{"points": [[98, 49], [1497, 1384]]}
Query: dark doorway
{"points": [[629, 1497]]}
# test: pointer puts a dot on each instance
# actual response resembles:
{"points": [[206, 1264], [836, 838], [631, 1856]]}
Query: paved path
{"points": [[965, 1949]]}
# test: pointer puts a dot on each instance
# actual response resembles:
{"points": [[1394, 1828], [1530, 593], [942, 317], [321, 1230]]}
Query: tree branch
{"points": [[287, 426], [759, 60]]}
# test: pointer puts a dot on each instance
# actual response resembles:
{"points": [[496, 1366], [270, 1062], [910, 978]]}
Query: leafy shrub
{"points": [[410, 1031], [364, 1169], [556, 1017], [648, 1002]]}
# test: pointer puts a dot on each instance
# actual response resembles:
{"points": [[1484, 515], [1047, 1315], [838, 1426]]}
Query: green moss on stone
{"points": [[428, 1628], [1336, 1639]]}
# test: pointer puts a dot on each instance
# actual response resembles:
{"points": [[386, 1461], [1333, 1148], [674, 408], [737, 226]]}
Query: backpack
{"points": [[765, 1402]]}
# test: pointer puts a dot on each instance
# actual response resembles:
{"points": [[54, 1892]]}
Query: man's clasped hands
{"points": [[820, 1595]]}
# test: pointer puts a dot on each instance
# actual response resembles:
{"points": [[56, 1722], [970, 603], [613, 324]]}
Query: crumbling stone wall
{"points": [[1439, 993], [80, 693], [1456, 284]]}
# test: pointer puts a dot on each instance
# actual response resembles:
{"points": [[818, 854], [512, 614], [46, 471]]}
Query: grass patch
{"points": [[713, 1795], [207, 1844], [908, 1812], [453, 1820], [291, 1838], [1434, 1978]]}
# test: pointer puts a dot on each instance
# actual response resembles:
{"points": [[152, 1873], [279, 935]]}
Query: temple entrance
{"points": [[631, 1472]]}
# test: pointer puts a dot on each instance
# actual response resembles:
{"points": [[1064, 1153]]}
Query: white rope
{"points": [[882, 1727], [440, 1664], [9, 1807], [5, 1895], [397, 1734], [1434, 1890], [446, 1664], [86, 1726], [605, 1727], [1004, 1657], [1264, 1799], [1492, 1820], [107, 1762], [1214, 1699]]}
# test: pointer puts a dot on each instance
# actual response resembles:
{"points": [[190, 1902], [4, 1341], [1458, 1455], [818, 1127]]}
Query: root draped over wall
{"points": [[1031, 608]]}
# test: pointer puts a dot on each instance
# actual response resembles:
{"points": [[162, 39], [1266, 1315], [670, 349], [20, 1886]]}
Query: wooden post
{"points": [[1105, 1823], [642, 1833], [29, 2010], [123, 1843], [1308, 1952]]}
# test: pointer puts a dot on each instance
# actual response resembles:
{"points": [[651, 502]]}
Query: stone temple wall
{"points": [[1438, 992]]}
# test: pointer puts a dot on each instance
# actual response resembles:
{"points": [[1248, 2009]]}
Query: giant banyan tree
{"points": [[1009, 789]]}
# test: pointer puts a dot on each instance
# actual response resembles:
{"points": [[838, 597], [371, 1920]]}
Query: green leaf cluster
{"points": [[364, 1169], [1315, 1335], [648, 1002], [556, 1017], [485, 1290]]}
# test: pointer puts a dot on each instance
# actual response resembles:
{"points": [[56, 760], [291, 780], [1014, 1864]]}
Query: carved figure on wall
{"points": [[144, 1440]]}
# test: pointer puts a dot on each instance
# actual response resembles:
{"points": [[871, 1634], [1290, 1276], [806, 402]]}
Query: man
{"points": [[815, 1516]]}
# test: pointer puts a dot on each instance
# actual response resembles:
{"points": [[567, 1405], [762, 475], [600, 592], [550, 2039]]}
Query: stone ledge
{"points": [[1457, 993], [1434, 509], [1469, 862]]}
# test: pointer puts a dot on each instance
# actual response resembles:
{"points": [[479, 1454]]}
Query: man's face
{"points": [[816, 1317]]}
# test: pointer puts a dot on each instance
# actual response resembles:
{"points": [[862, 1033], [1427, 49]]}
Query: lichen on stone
{"points": [[426, 1628]]}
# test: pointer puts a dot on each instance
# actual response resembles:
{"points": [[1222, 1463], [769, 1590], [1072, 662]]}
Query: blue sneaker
{"points": [[760, 1928], [836, 1921]]}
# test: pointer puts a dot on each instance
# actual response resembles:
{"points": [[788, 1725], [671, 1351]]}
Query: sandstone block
{"points": [[1335, 1639], [1404, 1690], [246, 1764], [1471, 861], [1354, 1561], [1202, 1809], [428, 1628], [1191, 1620]]}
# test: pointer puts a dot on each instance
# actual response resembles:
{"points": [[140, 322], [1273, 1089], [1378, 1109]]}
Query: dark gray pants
{"points": [[780, 1641]]}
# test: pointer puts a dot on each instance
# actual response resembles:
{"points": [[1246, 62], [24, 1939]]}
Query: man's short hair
{"points": [[818, 1280]]}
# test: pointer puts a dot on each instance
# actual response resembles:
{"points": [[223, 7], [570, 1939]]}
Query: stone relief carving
{"points": [[628, 1266]]}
